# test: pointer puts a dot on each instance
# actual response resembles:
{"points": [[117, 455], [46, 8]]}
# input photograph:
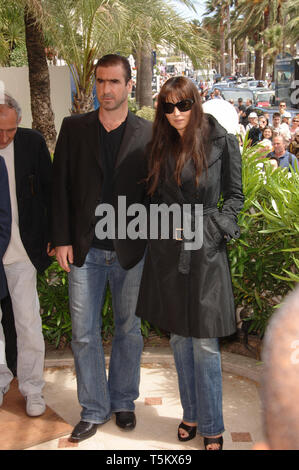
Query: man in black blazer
{"points": [[93, 154], [5, 230], [29, 168]]}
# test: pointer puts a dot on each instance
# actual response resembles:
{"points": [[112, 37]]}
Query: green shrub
{"points": [[146, 112], [54, 302], [133, 106]]}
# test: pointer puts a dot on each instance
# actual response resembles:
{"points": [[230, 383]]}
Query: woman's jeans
{"points": [[198, 364], [98, 396]]}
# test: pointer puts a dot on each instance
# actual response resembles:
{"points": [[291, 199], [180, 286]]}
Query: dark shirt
{"points": [[109, 148], [255, 135]]}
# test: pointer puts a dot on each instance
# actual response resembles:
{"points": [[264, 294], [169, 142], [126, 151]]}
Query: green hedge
{"points": [[264, 260]]}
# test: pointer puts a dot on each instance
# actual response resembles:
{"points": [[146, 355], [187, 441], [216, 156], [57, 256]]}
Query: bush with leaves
{"points": [[146, 112], [52, 287], [264, 261]]}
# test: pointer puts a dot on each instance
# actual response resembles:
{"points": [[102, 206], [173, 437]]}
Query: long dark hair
{"points": [[166, 140]]}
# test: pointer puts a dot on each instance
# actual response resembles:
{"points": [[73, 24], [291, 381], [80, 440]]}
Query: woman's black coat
{"points": [[193, 296]]}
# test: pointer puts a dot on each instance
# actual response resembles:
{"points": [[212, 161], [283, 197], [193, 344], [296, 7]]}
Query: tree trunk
{"points": [[222, 43], [229, 41], [266, 59], [82, 102], [42, 114], [138, 81], [245, 55], [258, 65], [145, 75]]}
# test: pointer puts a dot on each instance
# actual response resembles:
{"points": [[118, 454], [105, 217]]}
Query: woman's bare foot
{"points": [[214, 445], [182, 432]]}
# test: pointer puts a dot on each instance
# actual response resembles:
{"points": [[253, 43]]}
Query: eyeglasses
{"points": [[183, 106], [283, 105], [295, 120]]}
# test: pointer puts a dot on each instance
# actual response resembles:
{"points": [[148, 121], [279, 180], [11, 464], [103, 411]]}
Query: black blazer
{"points": [[78, 176], [5, 223], [33, 172]]}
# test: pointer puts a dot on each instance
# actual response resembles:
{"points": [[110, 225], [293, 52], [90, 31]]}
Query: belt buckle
{"points": [[176, 234]]}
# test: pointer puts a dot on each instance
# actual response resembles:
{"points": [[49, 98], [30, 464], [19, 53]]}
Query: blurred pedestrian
{"points": [[282, 107], [252, 121], [280, 380], [267, 133], [294, 125], [294, 146], [284, 157], [255, 134]]}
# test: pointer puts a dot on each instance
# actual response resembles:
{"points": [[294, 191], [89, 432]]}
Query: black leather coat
{"points": [[190, 293]]}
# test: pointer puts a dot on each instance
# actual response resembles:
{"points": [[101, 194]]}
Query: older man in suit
{"points": [[29, 167], [90, 156], [5, 230]]}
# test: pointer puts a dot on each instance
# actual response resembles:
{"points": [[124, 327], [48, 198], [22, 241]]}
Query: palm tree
{"points": [[12, 35], [259, 19], [156, 23], [19, 23], [83, 30], [218, 7], [291, 29], [39, 80]]}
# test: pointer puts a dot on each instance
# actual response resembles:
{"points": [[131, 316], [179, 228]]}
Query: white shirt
{"points": [[15, 251]]}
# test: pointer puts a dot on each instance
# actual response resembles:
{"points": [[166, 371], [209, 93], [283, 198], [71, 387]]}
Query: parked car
{"points": [[257, 84], [264, 97], [230, 93], [220, 85]]}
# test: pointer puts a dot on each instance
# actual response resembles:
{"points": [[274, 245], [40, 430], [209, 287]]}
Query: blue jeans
{"points": [[98, 396], [198, 364]]}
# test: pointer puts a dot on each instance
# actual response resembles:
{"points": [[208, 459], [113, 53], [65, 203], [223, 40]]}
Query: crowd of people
{"points": [[261, 128], [278, 139], [262, 131]]}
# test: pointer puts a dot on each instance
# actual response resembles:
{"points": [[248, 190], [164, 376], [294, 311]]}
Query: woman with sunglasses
{"points": [[193, 160], [294, 126]]}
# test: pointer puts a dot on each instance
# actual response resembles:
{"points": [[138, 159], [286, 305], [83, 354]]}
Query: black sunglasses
{"points": [[184, 105]]}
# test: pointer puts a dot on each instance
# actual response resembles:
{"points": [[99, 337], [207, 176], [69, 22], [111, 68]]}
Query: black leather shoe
{"points": [[83, 430], [125, 419]]}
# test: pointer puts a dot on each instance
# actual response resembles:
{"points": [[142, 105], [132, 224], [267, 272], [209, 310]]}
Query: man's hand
{"points": [[50, 251], [64, 256]]}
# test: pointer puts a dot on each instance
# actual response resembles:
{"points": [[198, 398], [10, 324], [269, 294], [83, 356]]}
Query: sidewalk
{"points": [[158, 408]]}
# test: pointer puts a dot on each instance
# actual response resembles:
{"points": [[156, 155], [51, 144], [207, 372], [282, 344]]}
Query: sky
{"points": [[188, 13]]}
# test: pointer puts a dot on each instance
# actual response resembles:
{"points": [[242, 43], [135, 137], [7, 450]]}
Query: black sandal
{"points": [[191, 430], [213, 440]]}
